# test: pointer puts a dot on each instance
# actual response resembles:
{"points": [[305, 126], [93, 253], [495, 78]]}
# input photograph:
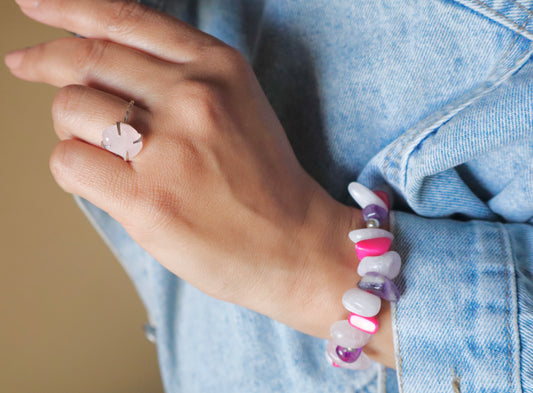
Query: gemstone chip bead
{"points": [[345, 335], [361, 302], [348, 355], [387, 264], [364, 197], [379, 285], [372, 247], [362, 362], [375, 212], [358, 235]]}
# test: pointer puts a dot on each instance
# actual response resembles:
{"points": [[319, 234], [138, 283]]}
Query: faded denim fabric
{"points": [[430, 100]]}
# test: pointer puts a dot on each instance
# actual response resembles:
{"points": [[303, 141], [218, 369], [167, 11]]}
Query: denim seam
{"points": [[394, 317], [512, 298], [508, 302], [399, 359], [381, 380], [521, 6], [499, 18], [450, 111]]}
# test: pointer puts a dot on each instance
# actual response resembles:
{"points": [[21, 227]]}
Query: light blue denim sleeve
{"points": [[465, 318], [465, 315]]}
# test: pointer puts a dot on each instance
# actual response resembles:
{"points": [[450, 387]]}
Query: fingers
{"points": [[106, 65], [125, 22], [96, 175], [82, 112]]}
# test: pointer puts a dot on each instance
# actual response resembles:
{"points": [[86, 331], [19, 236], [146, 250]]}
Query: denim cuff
{"points": [[456, 325]]}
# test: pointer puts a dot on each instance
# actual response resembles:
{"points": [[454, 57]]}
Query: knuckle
{"points": [[90, 54], [203, 103], [122, 16], [229, 60]]}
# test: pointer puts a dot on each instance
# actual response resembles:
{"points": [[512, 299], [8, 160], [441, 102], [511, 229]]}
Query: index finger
{"points": [[124, 22]]}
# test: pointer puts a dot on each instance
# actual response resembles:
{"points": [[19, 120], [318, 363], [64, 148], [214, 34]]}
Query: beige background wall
{"points": [[70, 320]]}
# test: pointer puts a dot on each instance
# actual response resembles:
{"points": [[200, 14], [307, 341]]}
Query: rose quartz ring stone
{"points": [[122, 140]]}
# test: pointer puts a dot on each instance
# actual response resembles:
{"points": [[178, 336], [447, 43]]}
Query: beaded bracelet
{"points": [[377, 267]]}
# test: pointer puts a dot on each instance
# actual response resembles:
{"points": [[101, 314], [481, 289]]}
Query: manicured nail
{"points": [[28, 3], [13, 59]]}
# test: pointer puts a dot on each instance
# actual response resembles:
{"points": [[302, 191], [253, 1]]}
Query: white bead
{"points": [[361, 302], [347, 336], [364, 197], [387, 264], [368, 233]]}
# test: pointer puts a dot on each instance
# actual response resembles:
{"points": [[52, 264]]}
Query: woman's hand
{"points": [[216, 195]]}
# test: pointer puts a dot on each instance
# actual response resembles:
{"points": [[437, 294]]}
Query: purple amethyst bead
{"points": [[379, 285], [377, 213], [348, 355]]}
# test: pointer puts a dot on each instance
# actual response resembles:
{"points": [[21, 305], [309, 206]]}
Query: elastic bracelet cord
{"points": [[377, 267]]}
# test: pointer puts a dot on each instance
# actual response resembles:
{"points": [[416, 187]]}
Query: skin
{"points": [[216, 195]]}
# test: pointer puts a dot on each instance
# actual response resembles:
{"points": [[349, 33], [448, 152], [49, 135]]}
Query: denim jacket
{"points": [[432, 100]]}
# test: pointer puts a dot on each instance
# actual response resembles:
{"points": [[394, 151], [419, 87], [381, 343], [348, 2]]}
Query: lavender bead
{"points": [[377, 213], [363, 362], [345, 335], [348, 355], [361, 302], [358, 235], [380, 286], [387, 264]]}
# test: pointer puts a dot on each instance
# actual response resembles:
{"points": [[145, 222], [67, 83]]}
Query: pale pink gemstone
{"points": [[127, 144]]}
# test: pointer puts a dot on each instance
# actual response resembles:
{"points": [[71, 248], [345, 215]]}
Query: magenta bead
{"points": [[348, 355], [384, 197], [377, 213], [372, 247]]}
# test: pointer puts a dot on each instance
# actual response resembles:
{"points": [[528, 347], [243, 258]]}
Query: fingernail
{"points": [[28, 3], [13, 59]]}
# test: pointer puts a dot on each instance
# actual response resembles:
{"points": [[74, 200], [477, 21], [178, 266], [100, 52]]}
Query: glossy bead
{"points": [[346, 336], [358, 235], [348, 355], [380, 286], [372, 247], [387, 264], [372, 223], [368, 325], [364, 197], [377, 213], [363, 362], [361, 302], [384, 197]]}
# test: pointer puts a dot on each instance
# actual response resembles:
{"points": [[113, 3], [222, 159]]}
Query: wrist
{"points": [[330, 270]]}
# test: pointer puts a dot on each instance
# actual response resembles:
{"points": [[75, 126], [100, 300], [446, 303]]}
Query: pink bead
{"points": [[368, 325], [384, 197], [372, 247]]}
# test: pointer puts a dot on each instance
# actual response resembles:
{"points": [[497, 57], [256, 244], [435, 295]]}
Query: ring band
{"points": [[122, 139]]}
